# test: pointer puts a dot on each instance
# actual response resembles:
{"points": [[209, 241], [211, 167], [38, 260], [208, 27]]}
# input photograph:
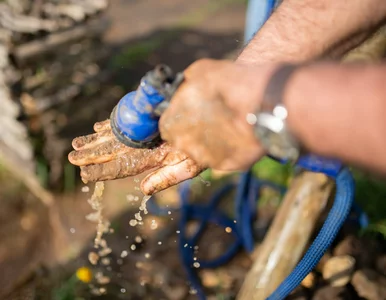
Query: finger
{"points": [[102, 126], [173, 157], [170, 175], [130, 163], [118, 168], [99, 154], [92, 140]]}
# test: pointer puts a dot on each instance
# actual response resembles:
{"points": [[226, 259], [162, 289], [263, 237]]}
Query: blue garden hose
{"points": [[245, 202]]}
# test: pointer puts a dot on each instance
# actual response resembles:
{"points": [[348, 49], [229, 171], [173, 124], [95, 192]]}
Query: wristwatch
{"points": [[270, 124]]}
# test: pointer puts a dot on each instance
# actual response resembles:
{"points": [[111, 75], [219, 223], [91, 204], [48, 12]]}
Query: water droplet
{"points": [[72, 230], [147, 255], [251, 119], [178, 232], [138, 239], [133, 247], [169, 212], [228, 230], [123, 290], [186, 245], [196, 264], [192, 291], [93, 258], [85, 189], [133, 223], [206, 182], [159, 243], [153, 225], [124, 253]]}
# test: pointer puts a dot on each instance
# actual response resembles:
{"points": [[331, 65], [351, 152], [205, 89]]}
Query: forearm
{"points": [[340, 111], [305, 30]]}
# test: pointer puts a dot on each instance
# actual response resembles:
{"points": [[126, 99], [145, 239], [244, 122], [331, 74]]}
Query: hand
{"points": [[207, 117], [102, 157]]}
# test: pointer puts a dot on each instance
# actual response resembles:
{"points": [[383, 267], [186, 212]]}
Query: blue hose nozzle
{"points": [[134, 121]]}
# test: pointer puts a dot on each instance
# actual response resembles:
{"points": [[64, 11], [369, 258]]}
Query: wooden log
{"points": [[75, 11], [33, 106], [37, 48], [288, 235], [302, 206], [24, 23]]}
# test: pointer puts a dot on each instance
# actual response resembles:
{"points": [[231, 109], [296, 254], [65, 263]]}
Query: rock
{"points": [[333, 293], [299, 293], [381, 264], [338, 270], [363, 250], [309, 281], [209, 278], [369, 284], [176, 292], [319, 267]]}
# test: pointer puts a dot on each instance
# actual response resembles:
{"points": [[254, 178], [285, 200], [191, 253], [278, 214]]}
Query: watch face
{"points": [[274, 137]]}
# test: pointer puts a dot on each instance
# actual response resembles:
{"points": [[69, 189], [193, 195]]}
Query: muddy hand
{"points": [[207, 116], [102, 157]]}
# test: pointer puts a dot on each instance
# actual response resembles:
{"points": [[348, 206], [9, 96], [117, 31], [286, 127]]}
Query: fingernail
{"points": [[97, 126], [148, 188], [77, 143]]}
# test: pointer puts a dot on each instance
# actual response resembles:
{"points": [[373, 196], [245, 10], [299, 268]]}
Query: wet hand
{"points": [[102, 157], [207, 116]]}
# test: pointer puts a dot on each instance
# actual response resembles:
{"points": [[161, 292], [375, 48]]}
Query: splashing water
{"points": [[102, 227], [142, 209], [206, 182]]}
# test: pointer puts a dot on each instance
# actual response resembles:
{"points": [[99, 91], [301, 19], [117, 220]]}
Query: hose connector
{"points": [[134, 120]]}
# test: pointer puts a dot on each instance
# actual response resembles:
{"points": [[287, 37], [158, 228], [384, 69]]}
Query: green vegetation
{"points": [[129, 56], [68, 290], [140, 51], [370, 194]]}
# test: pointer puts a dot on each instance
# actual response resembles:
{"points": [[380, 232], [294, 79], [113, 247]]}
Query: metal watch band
{"points": [[274, 91]]}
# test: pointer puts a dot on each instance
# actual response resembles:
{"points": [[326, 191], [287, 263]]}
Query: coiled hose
{"points": [[246, 198]]}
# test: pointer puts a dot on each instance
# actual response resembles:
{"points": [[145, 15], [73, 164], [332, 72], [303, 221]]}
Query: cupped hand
{"points": [[102, 157], [208, 116]]}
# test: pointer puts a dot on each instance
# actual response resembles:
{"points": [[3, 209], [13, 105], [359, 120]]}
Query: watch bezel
{"points": [[266, 122]]}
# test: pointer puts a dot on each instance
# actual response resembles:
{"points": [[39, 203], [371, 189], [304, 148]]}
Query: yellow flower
{"points": [[84, 274]]}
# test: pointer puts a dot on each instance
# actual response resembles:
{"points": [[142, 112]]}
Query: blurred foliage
{"points": [[140, 51], [271, 170], [68, 290], [130, 55], [370, 194]]}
